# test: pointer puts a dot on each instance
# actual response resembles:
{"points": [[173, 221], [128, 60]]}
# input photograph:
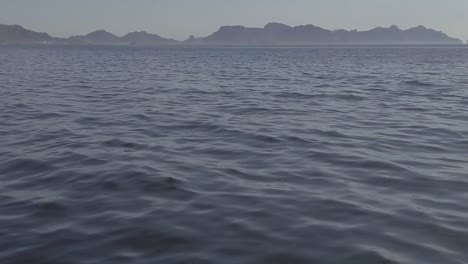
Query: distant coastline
{"points": [[273, 34]]}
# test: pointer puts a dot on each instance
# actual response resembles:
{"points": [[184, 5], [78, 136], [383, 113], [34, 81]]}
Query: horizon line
{"points": [[238, 25]]}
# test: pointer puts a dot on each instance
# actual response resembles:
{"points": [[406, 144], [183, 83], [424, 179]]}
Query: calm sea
{"points": [[233, 155]]}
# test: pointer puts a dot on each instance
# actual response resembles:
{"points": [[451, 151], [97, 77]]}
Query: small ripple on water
{"points": [[419, 83]]}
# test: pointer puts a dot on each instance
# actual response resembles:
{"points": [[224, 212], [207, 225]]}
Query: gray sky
{"points": [[179, 18]]}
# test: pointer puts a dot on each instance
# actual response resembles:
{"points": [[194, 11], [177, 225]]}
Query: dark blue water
{"points": [[233, 155]]}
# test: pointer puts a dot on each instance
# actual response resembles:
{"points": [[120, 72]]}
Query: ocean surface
{"points": [[353, 155]]}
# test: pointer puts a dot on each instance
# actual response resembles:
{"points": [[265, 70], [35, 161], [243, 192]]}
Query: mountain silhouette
{"points": [[96, 37], [18, 34], [281, 34], [142, 37], [271, 34], [104, 37]]}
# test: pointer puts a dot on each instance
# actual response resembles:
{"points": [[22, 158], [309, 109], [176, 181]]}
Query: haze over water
{"points": [[233, 155]]}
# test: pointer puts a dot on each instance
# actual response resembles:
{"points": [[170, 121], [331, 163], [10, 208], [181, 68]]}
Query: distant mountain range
{"points": [[104, 37], [17, 34], [281, 34], [272, 34]]}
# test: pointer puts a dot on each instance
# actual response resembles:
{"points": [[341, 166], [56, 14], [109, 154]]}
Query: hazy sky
{"points": [[179, 18]]}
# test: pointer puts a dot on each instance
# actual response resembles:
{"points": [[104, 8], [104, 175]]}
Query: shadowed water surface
{"points": [[233, 155]]}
